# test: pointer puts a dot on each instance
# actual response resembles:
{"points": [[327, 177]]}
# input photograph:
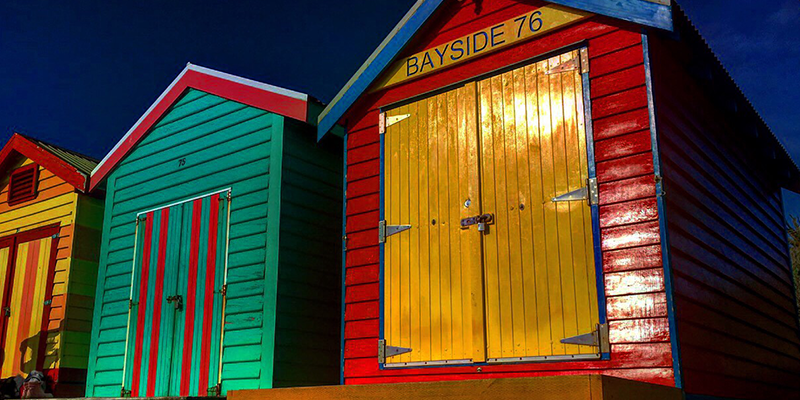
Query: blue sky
{"points": [[79, 73], [759, 44]]}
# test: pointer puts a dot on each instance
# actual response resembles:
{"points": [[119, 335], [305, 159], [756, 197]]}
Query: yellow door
{"points": [[25, 334], [432, 271], [455, 290], [538, 254]]}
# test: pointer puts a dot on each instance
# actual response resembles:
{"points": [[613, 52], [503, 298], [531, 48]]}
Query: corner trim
{"points": [[272, 259], [662, 216]]}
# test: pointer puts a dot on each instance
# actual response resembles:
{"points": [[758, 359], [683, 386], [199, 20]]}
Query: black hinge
{"points": [[124, 393]]}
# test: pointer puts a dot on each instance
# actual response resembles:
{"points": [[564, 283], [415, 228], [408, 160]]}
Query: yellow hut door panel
{"points": [[26, 305], [433, 283], [538, 252]]}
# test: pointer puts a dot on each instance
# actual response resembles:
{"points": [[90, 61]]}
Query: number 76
{"points": [[534, 24]]}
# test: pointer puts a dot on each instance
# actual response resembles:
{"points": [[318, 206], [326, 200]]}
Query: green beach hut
{"points": [[220, 264]]}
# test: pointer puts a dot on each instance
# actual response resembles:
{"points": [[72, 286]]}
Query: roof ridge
{"points": [[62, 148]]}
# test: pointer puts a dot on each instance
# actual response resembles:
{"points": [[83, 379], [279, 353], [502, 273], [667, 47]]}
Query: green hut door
{"points": [[178, 299]]}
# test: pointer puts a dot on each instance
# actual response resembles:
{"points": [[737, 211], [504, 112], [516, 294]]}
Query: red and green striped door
{"points": [[177, 299]]}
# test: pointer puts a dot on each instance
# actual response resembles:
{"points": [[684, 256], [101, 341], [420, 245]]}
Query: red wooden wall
{"points": [[736, 319], [632, 261]]}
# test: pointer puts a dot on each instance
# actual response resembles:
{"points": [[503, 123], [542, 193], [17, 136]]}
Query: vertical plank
{"points": [[487, 144], [549, 190], [474, 243], [445, 257], [425, 301], [541, 288], [515, 266], [414, 221], [454, 185], [402, 241], [524, 208]]}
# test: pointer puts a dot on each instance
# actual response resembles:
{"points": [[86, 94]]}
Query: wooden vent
{"points": [[22, 185]]}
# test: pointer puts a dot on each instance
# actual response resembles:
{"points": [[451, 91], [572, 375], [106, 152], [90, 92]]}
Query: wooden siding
{"points": [[59, 203], [630, 234], [221, 144], [736, 319], [307, 337]]}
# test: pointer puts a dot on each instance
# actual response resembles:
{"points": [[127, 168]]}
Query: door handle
{"points": [[177, 301]]}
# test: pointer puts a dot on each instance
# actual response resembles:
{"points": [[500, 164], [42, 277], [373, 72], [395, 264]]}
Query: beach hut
{"points": [[219, 264], [539, 188], [49, 247]]}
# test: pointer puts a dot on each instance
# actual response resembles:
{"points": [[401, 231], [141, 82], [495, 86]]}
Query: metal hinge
{"points": [[386, 122], [224, 290], [215, 391], [594, 192], [597, 338], [385, 351], [124, 393], [344, 243], [588, 192], [660, 184], [570, 65], [584, 55], [131, 303], [385, 231]]}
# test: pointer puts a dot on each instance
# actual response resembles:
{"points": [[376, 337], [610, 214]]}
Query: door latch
{"points": [[483, 221], [177, 301]]}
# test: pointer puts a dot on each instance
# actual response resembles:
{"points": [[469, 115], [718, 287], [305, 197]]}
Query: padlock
{"points": [[481, 226]]}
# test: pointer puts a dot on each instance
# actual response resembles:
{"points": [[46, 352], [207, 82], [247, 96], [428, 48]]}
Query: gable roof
{"points": [[270, 98], [655, 13], [74, 168]]}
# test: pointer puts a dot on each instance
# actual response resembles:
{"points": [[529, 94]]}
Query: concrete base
{"points": [[577, 387]]}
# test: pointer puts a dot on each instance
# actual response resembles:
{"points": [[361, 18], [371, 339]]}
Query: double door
{"points": [[27, 269], [488, 231], [177, 299]]}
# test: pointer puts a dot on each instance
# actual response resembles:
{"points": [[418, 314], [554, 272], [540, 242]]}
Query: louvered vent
{"points": [[22, 185]]}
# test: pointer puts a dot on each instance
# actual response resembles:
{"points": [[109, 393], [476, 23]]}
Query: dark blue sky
{"points": [[80, 73]]}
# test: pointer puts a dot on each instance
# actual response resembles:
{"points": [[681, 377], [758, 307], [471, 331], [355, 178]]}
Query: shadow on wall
{"points": [[29, 350]]}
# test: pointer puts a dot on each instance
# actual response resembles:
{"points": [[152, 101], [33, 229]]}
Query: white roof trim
{"points": [[248, 82], [206, 71]]}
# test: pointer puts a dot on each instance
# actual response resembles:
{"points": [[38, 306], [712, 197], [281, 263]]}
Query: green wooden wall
{"points": [[289, 280], [223, 144], [309, 277]]}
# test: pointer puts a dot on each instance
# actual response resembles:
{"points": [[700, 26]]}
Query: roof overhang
{"points": [[653, 13], [19, 144], [270, 98]]}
